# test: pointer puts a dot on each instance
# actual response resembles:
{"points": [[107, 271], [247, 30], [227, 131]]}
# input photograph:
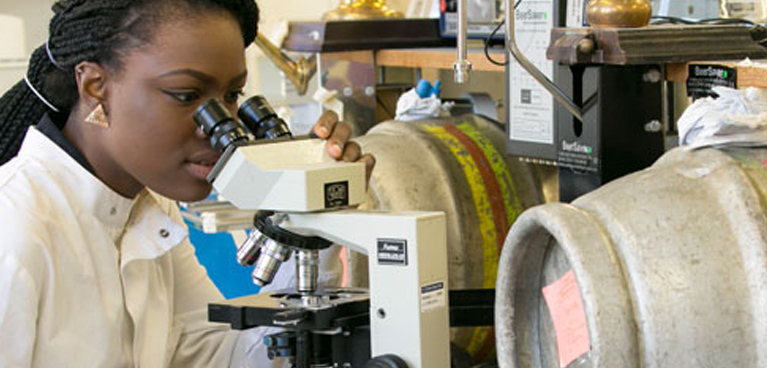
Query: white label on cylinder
{"points": [[563, 298]]}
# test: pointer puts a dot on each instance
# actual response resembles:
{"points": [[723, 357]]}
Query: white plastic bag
{"points": [[411, 106], [737, 116]]}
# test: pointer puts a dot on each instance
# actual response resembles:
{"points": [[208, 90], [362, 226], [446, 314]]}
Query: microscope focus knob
{"points": [[386, 361], [280, 345]]}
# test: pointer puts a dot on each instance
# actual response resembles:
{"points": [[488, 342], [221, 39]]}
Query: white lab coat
{"points": [[89, 278]]}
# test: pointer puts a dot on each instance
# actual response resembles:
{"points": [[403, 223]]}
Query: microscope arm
{"points": [[408, 277]]}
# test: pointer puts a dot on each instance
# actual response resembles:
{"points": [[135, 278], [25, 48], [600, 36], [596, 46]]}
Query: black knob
{"points": [[386, 361], [280, 345]]}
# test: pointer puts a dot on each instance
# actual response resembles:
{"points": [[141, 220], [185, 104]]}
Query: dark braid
{"points": [[93, 30]]}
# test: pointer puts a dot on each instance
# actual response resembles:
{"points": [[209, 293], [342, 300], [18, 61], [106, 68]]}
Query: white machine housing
{"points": [[290, 176]]}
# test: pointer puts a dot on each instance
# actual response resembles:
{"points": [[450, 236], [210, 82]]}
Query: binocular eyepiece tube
{"points": [[216, 122], [261, 119], [256, 114]]}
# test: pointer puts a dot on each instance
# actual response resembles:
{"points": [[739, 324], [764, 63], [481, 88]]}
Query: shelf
{"points": [[441, 58], [430, 58], [355, 35]]}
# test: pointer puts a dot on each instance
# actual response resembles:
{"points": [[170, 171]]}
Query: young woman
{"points": [[95, 266]]}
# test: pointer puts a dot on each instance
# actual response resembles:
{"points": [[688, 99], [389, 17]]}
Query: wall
{"points": [[264, 77], [36, 15]]}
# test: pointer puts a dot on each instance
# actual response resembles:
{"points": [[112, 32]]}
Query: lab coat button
{"points": [[112, 211], [164, 233]]}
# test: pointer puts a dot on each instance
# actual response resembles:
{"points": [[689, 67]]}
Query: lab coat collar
{"points": [[52, 131], [145, 237], [154, 232]]}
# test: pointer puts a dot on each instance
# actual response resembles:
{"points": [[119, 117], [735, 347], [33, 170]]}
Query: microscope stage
{"points": [[327, 310]]}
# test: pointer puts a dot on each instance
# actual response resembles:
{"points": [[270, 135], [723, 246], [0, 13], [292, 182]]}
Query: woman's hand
{"points": [[337, 133]]}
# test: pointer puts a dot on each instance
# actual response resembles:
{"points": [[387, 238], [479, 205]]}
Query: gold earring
{"points": [[98, 117]]}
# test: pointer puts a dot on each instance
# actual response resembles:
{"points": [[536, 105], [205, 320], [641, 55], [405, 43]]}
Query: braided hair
{"points": [[92, 30]]}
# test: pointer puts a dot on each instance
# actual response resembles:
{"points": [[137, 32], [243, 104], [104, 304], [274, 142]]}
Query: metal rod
{"points": [[511, 45], [462, 66], [667, 118], [298, 72]]}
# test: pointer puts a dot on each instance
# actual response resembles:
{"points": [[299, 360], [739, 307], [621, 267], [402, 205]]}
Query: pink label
{"points": [[566, 307]]}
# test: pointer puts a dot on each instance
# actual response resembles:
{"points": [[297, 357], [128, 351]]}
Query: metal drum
{"points": [[664, 268], [458, 166]]}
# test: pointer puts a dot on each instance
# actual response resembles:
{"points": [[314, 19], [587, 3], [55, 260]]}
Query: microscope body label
{"points": [[392, 252], [336, 194], [432, 296]]}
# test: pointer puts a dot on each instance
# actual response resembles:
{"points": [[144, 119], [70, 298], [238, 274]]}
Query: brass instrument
{"points": [[361, 10], [298, 72]]}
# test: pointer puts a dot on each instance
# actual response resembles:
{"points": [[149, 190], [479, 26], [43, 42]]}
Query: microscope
{"points": [[304, 201]]}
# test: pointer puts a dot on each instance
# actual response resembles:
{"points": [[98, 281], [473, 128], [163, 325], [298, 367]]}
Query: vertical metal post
{"points": [[462, 66]]}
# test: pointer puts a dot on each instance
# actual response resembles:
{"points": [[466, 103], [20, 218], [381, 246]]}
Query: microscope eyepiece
{"points": [[260, 118], [219, 125]]}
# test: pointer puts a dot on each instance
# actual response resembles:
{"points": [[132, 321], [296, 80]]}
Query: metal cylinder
{"points": [[457, 166], [272, 256], [307, 271], [669, 265]]}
